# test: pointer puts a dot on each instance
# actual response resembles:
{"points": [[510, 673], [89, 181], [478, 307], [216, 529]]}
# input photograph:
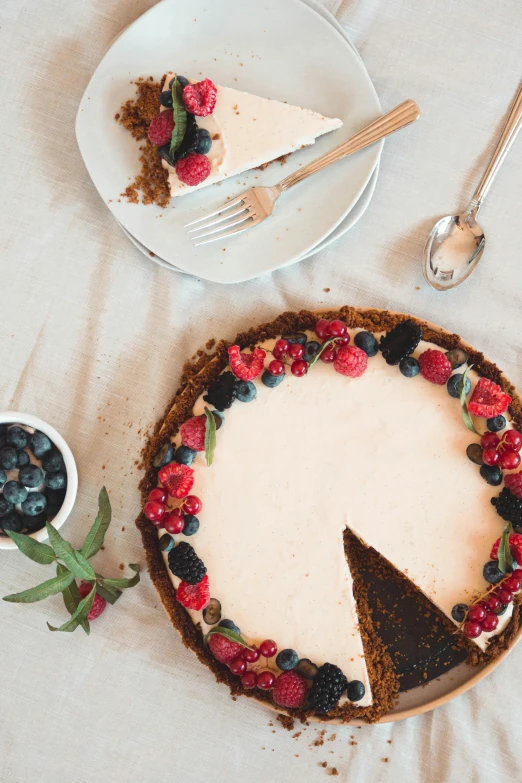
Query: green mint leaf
{"points": [[505, 558], [109, 594], [124, 583], [180, 116], [82, 569], [319, 352], [97, 532], [40, 553], [468, 421], [71, 594], [210, 436], [79, 616], [228, 633], [44, 590]]}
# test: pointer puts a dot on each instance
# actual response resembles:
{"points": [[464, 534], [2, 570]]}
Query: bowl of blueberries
{"points": [[38, 477]]}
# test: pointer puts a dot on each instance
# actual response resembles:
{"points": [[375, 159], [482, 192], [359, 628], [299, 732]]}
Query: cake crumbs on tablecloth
{"points": [[332, 737], [286, 722], [319, 740], [386, 759]]}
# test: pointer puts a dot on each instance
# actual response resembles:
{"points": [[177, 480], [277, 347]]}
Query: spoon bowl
{"points": [[453, 250]]}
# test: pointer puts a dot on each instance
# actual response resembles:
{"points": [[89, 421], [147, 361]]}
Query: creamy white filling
{"points": [[248, 131], [384, 455]]}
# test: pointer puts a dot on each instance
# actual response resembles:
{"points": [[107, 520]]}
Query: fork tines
{"points": [[245, 216]]}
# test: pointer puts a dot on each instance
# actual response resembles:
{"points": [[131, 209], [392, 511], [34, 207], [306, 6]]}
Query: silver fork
{"points": [[256, 204]]}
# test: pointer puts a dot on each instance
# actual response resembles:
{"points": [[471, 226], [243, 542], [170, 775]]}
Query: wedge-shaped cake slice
{"points": [[244, 131]]}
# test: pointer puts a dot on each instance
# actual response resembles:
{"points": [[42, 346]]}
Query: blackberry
{"points": [[222, 393], [17, 437], [509, 507], [164, 455], [400, 342], [328, 686], [190, 139], [185, 564]]}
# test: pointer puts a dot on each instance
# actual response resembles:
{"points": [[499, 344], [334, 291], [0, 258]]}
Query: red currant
{"points": [[276, 367], [509, 460], [268, 648], [472, 629], [249, 680], [173, 522], [237, 665], [489, 440], [191, 505], [513, 582], [154, 511], [299, 368], [280, 349], [296, 351], [512, 440], [343, 340], [336, 329], [504, 594], [477, 612], [490, 457], [251, 656], [266, 680], [322, 329], [490, 622], [159, 494], [328, 355], [493, 602]]}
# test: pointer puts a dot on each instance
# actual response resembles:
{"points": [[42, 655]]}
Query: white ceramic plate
{"points": [[257, 46]]}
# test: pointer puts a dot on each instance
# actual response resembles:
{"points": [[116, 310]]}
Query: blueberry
{"points": [[166, 542], [17, 437], [409, 367], [164, 152], [55, 498], [204, 141], [287, 659], [501, 609], [12, 521], [212, 614], [311, 349], [496, 424], [52, 460], [181, 80], [5, 506], [296, 337], [457, 357], [55, 479], [474, 453], [35, 504], [306, 668], [32, 524], [164, 455], [166, 99], [31, 476], [40, 443], [459, 612], [492, 474], [15, 492], [355, 690], [367, 343], [453, 385], [245, 391], [8, 457], [3, 478], [230, 625], [492, 573], [184, 455], [191, 525], [22, 458], [271, 380]]}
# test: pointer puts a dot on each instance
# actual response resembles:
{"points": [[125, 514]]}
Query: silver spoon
{"points": [[455, 244]]}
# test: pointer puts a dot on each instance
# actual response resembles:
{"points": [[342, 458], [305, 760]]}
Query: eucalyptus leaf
{"points": [[505, 558], [96, 534], [62, 548], [124, 583], [80, 615], [210, 436], [109, 594], [179, 114], [228, 633], [43, 590], [321, 349], [71, 595], [40, 553], [468, 421]]}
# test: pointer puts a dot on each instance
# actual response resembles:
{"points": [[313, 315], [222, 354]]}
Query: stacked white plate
{"points": [[290, 50]]}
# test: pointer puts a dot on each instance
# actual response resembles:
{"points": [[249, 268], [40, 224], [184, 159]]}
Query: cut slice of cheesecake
{"points": [[248, 131]]}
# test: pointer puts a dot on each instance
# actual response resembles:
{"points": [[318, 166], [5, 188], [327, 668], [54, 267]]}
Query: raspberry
{"points": [[435, 366], [177, 479], [223, 649], [194, 596], [488, 400], [200, 98], [98, 604], [350, 361], [161, 127], [193, 433], [193, 169], [515, 546], [513, 481], [289, 690], [246, 366]]}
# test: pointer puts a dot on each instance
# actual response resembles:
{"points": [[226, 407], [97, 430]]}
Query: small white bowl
{"points": [[12, 417]]}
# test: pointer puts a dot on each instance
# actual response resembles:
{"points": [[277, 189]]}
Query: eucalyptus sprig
{"points": [[74, 565], [461, 388]]}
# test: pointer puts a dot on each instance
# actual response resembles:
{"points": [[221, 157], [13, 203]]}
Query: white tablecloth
{"points": [[93, 339]]}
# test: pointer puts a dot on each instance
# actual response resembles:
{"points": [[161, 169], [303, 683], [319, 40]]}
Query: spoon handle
{"points": [[508, 136]]}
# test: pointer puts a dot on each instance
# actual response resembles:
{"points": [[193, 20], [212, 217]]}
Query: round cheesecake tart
{"points": [[332, 510]]}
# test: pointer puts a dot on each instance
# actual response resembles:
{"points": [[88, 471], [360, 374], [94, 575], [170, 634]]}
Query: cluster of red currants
{"points": [[171, 519], [504, 451], [294, 351], [251, 679], [325, 330], [481, 617]]}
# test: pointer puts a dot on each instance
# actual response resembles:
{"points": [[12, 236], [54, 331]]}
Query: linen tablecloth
{"points": [[93, 340]]}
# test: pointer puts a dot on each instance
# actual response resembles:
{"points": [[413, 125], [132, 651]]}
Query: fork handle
{"points": [[403, 114]]}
